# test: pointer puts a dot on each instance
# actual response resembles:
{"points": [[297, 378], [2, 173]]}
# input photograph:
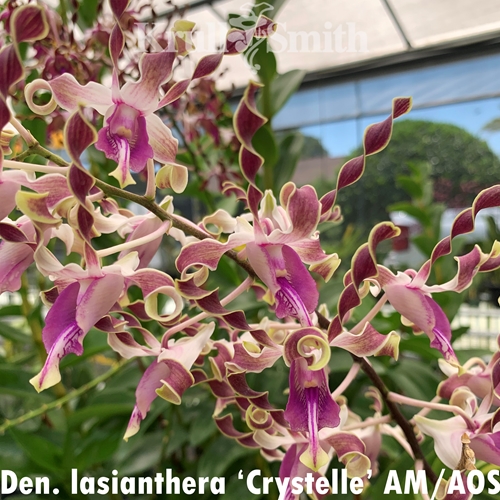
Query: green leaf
{"points": [[13, 334], [238, 489], [415, 379], [262, 8], [290, 150], [43, 452], [377, 489], [226, 451], [15, 381], [38, 128], [11, 457], [11, 311], [283, 87], [412, 210], [265, 144], [98, 447], [138, 455], [98, 412], [260, 56], [87, 12], [411, 186]]}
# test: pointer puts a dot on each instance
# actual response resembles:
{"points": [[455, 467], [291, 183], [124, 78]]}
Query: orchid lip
{"points": [[290, 302], [312, 399]]}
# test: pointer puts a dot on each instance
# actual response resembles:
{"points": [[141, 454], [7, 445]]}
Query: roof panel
{"points": [[318, 35], [429, 22]]}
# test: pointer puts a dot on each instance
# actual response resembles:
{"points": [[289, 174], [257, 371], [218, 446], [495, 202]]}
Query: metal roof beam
{"points": [[397, 23], [193, 5]]}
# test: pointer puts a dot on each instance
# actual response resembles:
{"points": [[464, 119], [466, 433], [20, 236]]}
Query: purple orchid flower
{"points": [[78, 307], [479, 377], [423, 312], [132, 133], [16, 252], [87, 295], [482, 428], [168, 376], [277, 246]]}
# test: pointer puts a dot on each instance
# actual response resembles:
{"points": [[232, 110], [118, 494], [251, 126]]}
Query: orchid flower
{"points": [[419, 309], [280, 241], [20, 239], [481, 426], [87, 296], [409, 294], [132, 133], [481, 378], [49, 191], [169, 375], [16, 252]]}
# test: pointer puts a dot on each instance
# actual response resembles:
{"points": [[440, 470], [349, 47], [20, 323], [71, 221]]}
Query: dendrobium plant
{"points": [[274, 238]]}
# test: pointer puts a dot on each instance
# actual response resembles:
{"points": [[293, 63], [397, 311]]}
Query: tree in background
{"points": [[461, 165]]}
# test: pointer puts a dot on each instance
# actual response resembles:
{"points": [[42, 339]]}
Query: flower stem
{"points": [[23, 131], [150, 183], [134, 243], [33, 167], [37, 149], [368, 423], [374, 311], [58, 403], [348, 379], [405, 400]]}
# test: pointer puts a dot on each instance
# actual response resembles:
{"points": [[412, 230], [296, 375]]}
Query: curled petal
{"points": [[308, 343], [256, 418], [34, 205], [172, 176], [368, 343], [253, 361], [186, 350], [351, 452], [69, 94], [149, 280], [247, 120], [29, 92], [207, 252], [327, 267], [178, 381], [151, 303], [28, 23]]}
